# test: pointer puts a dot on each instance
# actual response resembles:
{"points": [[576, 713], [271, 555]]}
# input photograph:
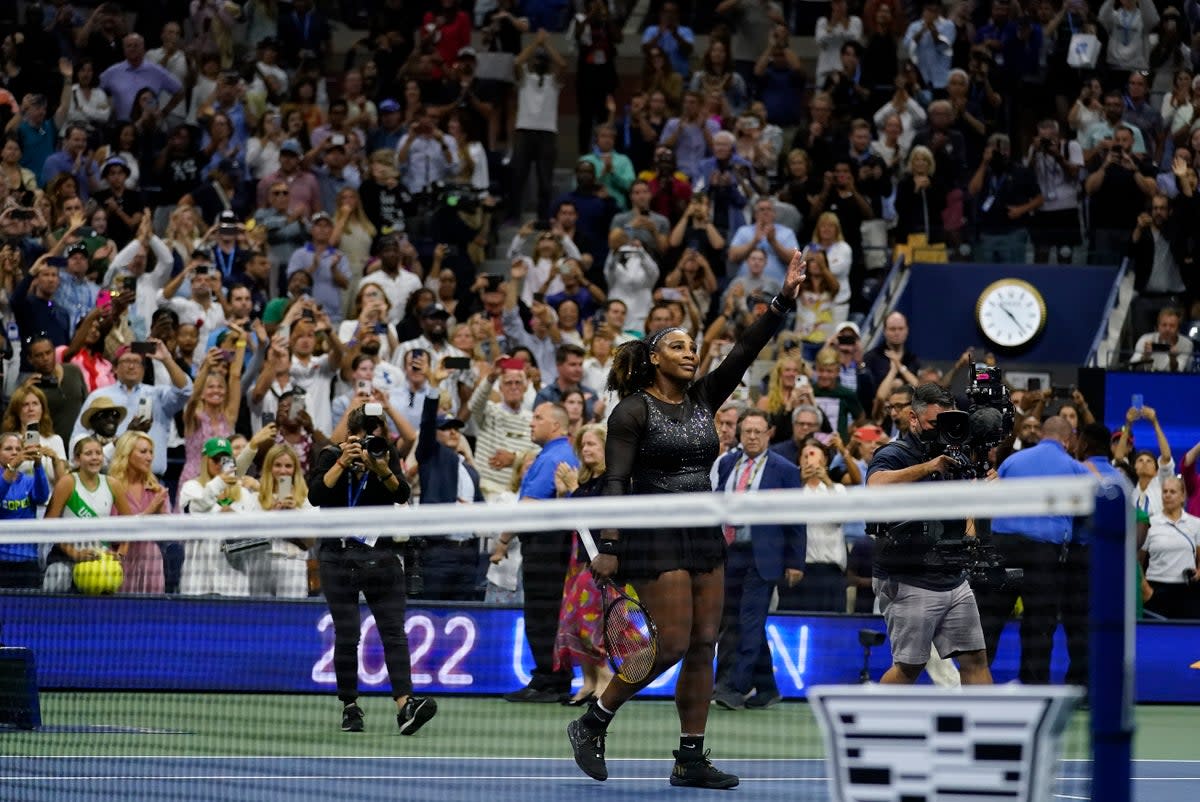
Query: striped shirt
{"points": [[499, 429]]}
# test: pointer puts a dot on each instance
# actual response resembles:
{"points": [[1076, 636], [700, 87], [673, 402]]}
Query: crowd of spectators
{"points": [[221, 235]]}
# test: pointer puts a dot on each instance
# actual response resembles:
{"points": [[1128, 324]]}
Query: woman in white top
{"points": [[471, 154], [84, 494], [828, 237], [1088, 107], [262, 149], [217, 490], [1171, 556], [823, 588], [282, 569], [369, 312], [86, 103], [29, 411]]}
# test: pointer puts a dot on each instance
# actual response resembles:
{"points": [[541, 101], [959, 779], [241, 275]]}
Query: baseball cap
{"points": [[76, 247], [291, 146], [217, 446], [467, 52], [435, 310], [848, 326], [318, 217], [229, 166], [388, 105], [268, 43], [337, 141], [115, 161], [445, 422], [228, 218]]}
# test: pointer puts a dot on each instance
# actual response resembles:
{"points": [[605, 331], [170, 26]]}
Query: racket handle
{"points": [[589, 543]]}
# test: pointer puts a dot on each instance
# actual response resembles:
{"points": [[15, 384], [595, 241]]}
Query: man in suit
{"points": [[759, 557], [449, 563]]}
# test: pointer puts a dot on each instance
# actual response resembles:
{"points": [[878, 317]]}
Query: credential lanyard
{"points": [[352, 495]]}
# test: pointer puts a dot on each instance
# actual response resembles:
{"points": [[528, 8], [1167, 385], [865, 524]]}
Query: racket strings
{"points": [[630, 637]]}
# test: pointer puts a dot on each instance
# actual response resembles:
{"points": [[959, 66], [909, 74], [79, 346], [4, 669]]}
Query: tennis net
{"points": [[170, 697]]}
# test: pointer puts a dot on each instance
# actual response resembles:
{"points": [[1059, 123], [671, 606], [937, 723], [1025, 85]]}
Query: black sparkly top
{"points": [[657, 447]]}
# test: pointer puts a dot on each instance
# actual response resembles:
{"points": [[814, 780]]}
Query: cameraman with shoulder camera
{"points": [[364, 470], [1037, 545], [923, 603]]}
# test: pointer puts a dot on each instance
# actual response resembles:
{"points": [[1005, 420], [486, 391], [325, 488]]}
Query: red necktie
{"points": [[743, 481]]}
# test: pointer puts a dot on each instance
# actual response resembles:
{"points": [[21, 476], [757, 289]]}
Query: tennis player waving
{"points": [[661, 439]]}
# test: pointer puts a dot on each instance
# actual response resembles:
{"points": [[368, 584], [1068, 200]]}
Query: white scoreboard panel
{"points": [[888, 743]]}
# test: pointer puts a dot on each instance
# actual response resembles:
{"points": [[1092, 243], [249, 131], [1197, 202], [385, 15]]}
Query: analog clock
{"points": [[1010, 313]]}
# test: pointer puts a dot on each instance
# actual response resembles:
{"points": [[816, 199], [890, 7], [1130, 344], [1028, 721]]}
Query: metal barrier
{"points": [[1102, 330], [889, 292]]}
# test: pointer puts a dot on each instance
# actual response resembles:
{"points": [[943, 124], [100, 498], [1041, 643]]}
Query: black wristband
{"points": [[780, 305], [608, 546]]}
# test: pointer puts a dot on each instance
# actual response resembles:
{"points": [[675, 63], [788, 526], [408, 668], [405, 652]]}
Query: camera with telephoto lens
{"points": [[967, 437], [376, 446]]}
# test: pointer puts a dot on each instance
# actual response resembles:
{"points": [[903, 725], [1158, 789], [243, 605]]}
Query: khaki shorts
{"points": [[915, 617]]}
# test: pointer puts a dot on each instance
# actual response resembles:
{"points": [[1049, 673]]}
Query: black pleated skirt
{"points": [[647, 553]]}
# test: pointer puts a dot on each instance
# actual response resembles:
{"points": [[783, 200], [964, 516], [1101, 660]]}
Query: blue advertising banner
{"points": [[165, 643]]}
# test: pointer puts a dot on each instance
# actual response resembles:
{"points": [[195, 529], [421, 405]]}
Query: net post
{"points": [[1111, 645]]}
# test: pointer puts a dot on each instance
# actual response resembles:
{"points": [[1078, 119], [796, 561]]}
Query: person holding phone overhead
{"points": [[213, 409], [661, 439], [21, 496], [149, 408], [281, 570]]}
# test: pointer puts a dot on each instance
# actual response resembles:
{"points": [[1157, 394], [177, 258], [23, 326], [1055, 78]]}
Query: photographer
{"points": [[1006, 194], [923, 603], [1039, 546], [1057, 165], [364, 470]]}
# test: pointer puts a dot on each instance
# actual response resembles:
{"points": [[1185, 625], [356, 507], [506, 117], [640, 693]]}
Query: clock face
{"points": [[1011, 313]]}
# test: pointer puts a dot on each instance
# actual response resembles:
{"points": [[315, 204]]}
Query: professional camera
{"points": [[376, 446], [980, 559], [967, 437]]}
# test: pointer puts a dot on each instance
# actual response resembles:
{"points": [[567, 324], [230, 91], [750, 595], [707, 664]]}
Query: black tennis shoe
{"points": [[416, 711], [352, 718], [588, 747], [699, 772]]}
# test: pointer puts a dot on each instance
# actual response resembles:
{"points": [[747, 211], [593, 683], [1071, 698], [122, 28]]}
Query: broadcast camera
{"points": [[980, 559], [968, 437]]}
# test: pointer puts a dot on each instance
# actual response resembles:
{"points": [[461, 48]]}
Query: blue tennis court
{"points": [[53, 779]]}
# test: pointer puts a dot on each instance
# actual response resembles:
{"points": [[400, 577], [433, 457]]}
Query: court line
{"points": [[455, 777], [308, 758]]}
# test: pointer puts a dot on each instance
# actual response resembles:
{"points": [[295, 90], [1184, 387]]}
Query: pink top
{"points": [[206, 427]]}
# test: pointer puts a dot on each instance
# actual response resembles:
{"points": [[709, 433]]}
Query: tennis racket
{"points": [[630, 637]]}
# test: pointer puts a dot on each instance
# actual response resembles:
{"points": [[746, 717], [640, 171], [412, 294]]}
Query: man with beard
{"points": [[433, 342], [62, 384], [396, 282]]}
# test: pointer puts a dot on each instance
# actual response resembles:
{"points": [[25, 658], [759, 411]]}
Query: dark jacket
{"points": [[437, 465], [374, 493], [776, 546], [1181, 239]]}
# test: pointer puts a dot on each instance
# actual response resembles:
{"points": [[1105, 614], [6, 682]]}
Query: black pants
{"points": [[377, 573], [449, 568], [823, 590], [535, 150], [1040, 596], [1074, 606], [1175, 599], [545, 556]]}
